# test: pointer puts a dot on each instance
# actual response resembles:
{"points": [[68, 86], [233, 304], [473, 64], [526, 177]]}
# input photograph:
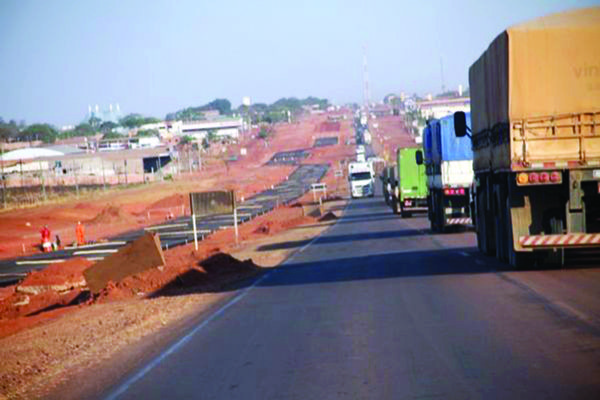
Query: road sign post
{"points": [[213, 203]]}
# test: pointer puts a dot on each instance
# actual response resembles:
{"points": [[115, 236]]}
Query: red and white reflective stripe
{"points": [[572, 239], [459, 221]]}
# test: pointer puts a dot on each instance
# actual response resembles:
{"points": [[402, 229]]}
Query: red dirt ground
{"points": [[184, 266], [143, 205]]}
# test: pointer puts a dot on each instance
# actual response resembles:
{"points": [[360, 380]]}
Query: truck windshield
{"points": [[360, 176]]}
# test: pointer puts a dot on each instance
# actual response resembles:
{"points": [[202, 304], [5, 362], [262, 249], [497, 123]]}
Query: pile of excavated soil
{"points": [[111, 214], [58, 277], [175, 200], [329, 216]]}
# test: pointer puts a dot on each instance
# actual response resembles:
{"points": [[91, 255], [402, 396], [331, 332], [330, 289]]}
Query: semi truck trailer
{"points": [[448, 162], [408, 183], [535, 110]]}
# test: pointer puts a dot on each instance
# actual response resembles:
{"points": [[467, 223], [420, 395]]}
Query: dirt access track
{"points": [[50, 351]]}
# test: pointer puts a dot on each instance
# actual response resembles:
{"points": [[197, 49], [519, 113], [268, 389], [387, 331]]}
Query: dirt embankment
{"points": [[51, 327], [77, 331]]}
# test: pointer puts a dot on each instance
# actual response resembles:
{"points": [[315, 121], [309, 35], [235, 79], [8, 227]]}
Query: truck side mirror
{"points": [[460, 124], [419, 157]]}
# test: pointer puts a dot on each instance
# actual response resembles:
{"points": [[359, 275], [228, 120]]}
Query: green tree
{"points": [[8, 132], [112, 135], [211, 135], [187, 139], [43, 132], [263, 133], [132, 121], [108, 126], [95, 122], [147, 133]]}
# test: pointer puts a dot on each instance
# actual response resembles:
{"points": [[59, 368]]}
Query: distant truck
{"points": [[367, 138], [360, 179], [360, 153], [448, 164], [408, 183], [535, 110]]}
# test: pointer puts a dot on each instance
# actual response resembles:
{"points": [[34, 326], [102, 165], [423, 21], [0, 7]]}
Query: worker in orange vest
{"points": [[46, 244], [80, 233]]}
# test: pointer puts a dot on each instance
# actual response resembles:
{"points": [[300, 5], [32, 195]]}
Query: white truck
{"points": [[360, 178], [367, 138], [360, 153]]}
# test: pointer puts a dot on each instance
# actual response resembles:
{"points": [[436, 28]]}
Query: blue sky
{"points": [[154, 57]]}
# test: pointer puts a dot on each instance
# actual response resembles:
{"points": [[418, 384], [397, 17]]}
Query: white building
{"points": [[439, 108]]}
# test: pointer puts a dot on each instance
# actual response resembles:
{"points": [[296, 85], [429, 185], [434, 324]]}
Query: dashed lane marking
{"points": [[99, 251]]}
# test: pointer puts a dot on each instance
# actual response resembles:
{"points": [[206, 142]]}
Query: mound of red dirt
{"points": [[263, 229], [185, 271], [57, 277], [175, 200], [112, 214], [328, 217]]}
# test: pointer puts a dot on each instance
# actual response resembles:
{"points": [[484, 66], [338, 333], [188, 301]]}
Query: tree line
{"points": [[12, 131], [278, 111]]}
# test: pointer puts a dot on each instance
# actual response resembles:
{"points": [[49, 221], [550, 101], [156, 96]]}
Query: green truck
{"points": [[408, 183]]}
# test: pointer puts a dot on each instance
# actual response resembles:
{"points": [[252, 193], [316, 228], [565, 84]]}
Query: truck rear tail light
{"points": [[461, 191], [522, 178], [539, 178], [534, 177]]}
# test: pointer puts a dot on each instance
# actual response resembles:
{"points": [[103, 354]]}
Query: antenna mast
{"points": [[366, 98], [442, 74]]}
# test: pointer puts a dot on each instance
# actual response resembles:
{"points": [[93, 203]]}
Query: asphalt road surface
{"points": [[379, 308], [177, 231]]}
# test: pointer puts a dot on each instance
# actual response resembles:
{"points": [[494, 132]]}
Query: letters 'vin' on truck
{"points": [[535, 110]]}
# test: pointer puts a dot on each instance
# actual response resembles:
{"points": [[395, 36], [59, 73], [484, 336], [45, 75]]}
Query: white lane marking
{"points": [[181, 342], [177, 233], [87, 246], [46, 261], [152, 228], [76, 253], [464, 253], [95, 258]]}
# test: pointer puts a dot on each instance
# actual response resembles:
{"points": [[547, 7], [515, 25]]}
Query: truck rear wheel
{"points": [[395, 208], [404, 213], [483, 236]]}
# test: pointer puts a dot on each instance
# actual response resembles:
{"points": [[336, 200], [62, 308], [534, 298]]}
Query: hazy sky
{"points": [[154, 57]]}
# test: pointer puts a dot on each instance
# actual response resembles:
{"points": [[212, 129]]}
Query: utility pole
{"points": [[442, 74], [365, 78], [3, 179]]}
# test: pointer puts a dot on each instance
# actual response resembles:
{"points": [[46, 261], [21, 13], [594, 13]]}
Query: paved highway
{"points": [[379, 308]]}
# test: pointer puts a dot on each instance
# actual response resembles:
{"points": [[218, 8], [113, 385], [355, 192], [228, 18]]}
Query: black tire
{"points": [[395, 208], [483, 242], [501, 223]]}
